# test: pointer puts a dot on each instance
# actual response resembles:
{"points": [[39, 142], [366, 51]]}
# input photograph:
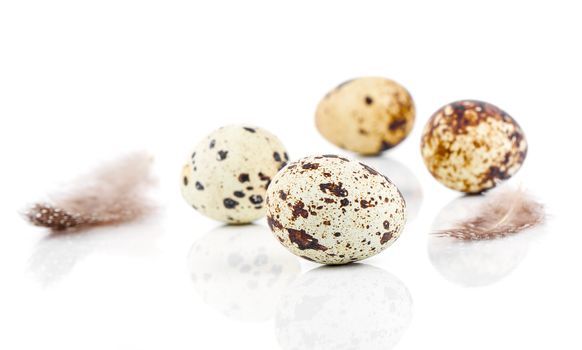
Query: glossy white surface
{"points": [[84, 81]]}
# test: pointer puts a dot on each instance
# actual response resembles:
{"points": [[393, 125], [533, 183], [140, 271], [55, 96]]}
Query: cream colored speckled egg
{"points": [[366, 115], [332, 210], [470, 146], [229, 171]]}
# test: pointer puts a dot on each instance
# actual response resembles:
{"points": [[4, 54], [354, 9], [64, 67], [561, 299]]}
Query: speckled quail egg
{"points": [[356, 307], [470, 146], [366, 115], [229, 171], [332, 210]]}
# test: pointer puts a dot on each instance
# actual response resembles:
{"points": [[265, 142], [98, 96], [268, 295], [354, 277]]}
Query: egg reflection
{"points": [[56, 255], [403, 178], [241, 271], [350, 307], [474, 263]]}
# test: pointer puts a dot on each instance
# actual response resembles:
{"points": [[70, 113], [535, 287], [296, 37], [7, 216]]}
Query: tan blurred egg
{"points": [[470, 146], [366, 115]]}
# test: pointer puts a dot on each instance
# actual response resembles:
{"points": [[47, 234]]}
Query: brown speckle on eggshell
{"points": [[366, 115], [332, 210], [470, 146]]}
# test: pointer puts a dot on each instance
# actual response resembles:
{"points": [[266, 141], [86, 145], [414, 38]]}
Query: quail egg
{"points": [[228, 173], [366, 115], [332, 210], [470, 146]]}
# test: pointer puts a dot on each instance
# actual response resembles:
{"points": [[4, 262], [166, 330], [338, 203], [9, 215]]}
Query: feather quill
{"points": [[112, 194], [502, 214]]}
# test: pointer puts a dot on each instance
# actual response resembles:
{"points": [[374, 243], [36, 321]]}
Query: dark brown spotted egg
{"points": [[366, 115], [227, 174], [332, 210], [470, 146]]}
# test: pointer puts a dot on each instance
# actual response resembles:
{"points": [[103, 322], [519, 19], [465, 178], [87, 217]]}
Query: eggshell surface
{"points": [[470, 146], [366, 115], [228, 173], [332, 210]]}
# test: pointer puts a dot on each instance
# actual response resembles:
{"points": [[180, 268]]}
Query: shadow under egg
{"points": [[402, 177], [241, 271], [474, 263], [354, 306], [57, 254]]}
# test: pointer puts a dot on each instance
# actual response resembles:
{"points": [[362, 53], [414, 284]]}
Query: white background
{"points": [[84, 81]]}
